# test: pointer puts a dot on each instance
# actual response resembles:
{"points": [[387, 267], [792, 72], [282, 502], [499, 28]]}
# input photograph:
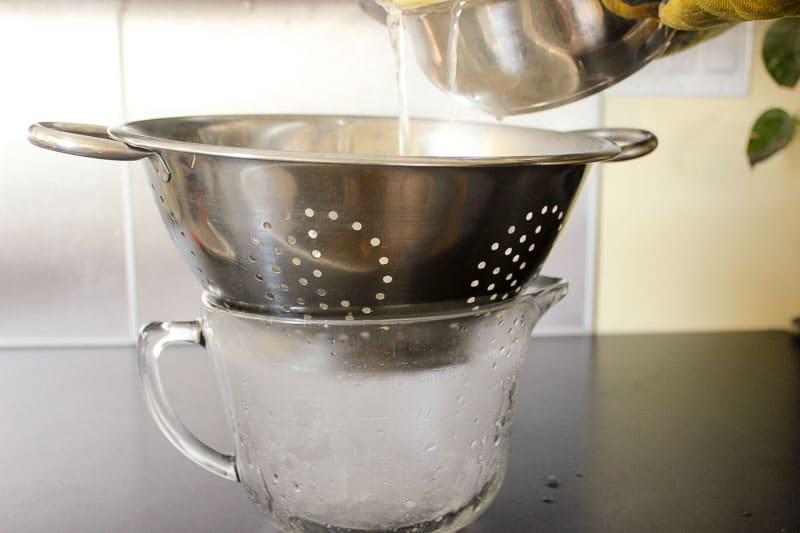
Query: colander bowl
{"points": [[322, 216]]}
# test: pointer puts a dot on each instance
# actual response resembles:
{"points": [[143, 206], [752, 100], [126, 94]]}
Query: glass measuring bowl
{"points": [[360, 425]]}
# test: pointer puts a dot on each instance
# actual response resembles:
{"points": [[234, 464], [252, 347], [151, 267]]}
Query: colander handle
{"points": [[632, 142], [87, 140], [153, 339]]}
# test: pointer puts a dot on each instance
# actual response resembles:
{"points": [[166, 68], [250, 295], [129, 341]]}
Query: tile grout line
{"points": [[590, 266], [37, 343], [128, 232], [593, 242]]}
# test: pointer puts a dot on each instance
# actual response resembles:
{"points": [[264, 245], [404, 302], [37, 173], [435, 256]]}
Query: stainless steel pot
{"points": [[320, 215], [517, 56]]}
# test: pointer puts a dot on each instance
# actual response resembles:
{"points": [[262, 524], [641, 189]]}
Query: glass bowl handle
{"points": [[153, 339]]}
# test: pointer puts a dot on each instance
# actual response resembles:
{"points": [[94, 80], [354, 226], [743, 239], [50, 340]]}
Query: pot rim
{"points": [[592, 148]]}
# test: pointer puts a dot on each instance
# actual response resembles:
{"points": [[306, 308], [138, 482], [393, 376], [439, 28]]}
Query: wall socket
{"points": [[718, 67]]}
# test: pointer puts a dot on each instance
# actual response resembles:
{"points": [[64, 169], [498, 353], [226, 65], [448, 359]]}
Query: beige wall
{"points": [[690, 238]]}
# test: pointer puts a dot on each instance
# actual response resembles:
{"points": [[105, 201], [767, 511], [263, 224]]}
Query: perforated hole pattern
{"points": [[498, 271], [296, 257]]}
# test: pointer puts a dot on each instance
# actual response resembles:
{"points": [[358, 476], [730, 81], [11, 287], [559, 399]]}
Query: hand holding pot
{"points": [[703, 14], [689, 15]]}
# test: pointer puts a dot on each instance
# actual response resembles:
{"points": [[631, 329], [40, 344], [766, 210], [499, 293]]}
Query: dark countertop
{"points": [[645, 433]]}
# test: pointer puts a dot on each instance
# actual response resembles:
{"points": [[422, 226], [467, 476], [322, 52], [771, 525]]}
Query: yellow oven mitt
{"points": [[703, 14], [681, 14]]}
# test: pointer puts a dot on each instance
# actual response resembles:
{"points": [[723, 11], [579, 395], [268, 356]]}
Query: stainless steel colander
{"points": [[320, 215]]}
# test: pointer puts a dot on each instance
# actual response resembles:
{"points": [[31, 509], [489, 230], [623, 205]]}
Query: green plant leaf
{"points": [[781, 51], [772, 131]]}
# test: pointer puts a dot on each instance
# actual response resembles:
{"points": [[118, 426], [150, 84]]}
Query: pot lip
{"points": [[135, 134]]}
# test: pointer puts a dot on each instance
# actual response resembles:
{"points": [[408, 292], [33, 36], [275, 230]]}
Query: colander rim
{"points": [[135, 134]]}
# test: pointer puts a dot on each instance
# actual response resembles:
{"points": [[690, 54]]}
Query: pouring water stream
{"points": [[394, 23], [397, 38], [452, 56]]}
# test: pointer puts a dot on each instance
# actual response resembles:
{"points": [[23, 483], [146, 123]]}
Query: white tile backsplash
{"points": [[62, 261], [64, 270], [166, 289], [270, 57]]}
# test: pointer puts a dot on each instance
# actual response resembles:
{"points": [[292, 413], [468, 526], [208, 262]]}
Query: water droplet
{"points": [[547, 499], [552, 481], [410, 504], [473, 444], [274, 477], [430, 448]]}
